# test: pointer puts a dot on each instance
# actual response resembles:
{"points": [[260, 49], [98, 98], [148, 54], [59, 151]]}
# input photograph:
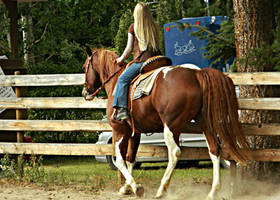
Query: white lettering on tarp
{"points": [[185, 49]]}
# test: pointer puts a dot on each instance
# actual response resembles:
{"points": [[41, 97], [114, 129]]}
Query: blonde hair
{"points": [[146, 30]]}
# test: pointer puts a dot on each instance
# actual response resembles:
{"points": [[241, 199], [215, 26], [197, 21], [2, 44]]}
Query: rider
{"points": [[143, 37]]}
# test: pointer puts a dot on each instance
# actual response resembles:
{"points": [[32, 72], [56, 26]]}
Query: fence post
{"points": [[19, 113]]}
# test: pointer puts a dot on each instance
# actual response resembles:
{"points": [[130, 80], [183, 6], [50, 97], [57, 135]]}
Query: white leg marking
{"points": [[130, 166], [121, 166], [216, 174], [125, 188], [173, 155]]}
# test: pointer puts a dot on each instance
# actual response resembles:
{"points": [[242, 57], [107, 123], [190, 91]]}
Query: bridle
{"points": [[107, 80]]}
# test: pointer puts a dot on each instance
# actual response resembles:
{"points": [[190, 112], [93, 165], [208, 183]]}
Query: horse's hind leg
{"points": [[174, 153], [214, 153]]}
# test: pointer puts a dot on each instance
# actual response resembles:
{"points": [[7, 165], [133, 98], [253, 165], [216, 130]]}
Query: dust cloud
{"points": [[244, 190]]}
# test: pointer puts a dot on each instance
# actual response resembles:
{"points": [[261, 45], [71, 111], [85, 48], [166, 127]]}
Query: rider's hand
{"points": [[119, 61]]}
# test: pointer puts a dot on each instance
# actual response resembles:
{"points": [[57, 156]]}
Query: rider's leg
{"points": [[121, 93]]}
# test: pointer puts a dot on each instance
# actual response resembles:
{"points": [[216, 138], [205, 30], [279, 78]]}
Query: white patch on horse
{"points": [[166, 70], [190, 66], [173, 154]]}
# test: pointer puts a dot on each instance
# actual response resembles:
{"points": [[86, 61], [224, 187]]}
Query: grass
{"points": [[87, 172], [80, 172]]}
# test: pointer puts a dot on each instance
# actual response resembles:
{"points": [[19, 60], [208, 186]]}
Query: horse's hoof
{"points": [[124, 191], [158, 197], [139, 191], [209, 198], [128, 192], [89, 98]]}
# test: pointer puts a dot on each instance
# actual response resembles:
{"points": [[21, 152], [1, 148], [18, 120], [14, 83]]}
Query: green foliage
{"points": [[164, 14], [221, 8], [4, 26], [121, 36], [194, 8], [33, 171], [23, 168], [275, 48], [8, 167]]}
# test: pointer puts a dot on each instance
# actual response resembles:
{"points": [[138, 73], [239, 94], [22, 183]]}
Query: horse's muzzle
{"points": [[86, 94]]}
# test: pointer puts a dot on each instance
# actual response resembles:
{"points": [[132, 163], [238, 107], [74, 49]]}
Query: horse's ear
{"points": [[88, 50]]}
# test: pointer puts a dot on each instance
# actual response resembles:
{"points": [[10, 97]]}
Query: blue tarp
{"points": [[183, 48]]}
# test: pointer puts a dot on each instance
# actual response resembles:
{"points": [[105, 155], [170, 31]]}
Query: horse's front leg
{"points": [[133, 144], [121, 144]]}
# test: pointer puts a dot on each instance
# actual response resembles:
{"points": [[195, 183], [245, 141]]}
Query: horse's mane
{"points": [[106, 59]]}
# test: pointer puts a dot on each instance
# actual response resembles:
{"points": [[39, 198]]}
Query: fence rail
{"points": [[258, 78], [144, 150], [79, 102], [253, 78], [98, 125]]}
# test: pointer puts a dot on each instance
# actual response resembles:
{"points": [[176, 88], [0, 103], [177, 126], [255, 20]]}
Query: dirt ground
{"points": [[194, 190]]}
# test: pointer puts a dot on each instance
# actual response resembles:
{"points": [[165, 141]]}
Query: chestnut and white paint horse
{"points": [[179, 95]]}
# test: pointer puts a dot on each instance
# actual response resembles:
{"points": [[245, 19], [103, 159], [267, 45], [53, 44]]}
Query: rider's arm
{"points": [[128, 49]]}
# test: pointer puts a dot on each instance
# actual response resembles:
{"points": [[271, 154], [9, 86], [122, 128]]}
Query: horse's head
{"points": [[92, 79]]}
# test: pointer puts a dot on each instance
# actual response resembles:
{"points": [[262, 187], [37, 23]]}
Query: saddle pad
{"points": [[143, 86], [138, 89]]}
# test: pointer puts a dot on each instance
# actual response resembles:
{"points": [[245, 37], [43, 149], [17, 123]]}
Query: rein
{"points": [[107, 80]]}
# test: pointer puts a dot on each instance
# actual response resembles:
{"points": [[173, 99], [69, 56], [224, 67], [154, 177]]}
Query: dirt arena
{"points": [[194, 190]]}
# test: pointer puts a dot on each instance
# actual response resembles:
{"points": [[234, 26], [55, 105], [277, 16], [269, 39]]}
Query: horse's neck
{"points": [[110, 86]]}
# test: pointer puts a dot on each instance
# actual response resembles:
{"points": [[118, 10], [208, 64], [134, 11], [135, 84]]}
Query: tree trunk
{"points": [[253, 23], [27, 36], [13, 34]]}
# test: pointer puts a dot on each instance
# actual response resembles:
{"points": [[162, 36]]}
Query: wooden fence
{"points": [[259, 78]]}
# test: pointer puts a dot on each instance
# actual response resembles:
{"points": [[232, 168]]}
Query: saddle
{"points": [[155, 62], [142, 84]]}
